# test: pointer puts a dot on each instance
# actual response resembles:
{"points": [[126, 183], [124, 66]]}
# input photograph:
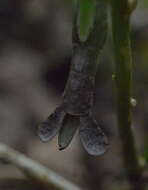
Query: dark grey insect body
{"points": [[75, 112], [78, 95]]}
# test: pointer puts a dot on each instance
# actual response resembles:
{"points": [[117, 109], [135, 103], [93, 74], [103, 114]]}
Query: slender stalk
{"points": [[121, 12], [35, 170]]}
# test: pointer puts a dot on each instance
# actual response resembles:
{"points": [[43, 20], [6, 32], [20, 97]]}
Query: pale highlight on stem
{"points": [[35, 170]]}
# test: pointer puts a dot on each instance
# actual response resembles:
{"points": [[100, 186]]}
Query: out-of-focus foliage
{"points": [[35, 52], [145, 3]]}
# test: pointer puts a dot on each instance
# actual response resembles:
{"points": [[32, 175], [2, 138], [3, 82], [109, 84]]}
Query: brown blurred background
{"points": [[35, 54]]}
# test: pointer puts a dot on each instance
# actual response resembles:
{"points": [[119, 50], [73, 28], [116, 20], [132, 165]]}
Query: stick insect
{"points": [[75, 112]]}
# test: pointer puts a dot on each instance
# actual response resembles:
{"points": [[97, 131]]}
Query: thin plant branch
{"points": [[35, 170], [121, 13]]}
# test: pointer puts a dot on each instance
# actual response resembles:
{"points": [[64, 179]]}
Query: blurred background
{"points": [[35, 54]]}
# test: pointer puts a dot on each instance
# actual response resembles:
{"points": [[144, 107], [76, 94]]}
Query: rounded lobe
{"points": [[51, 126], [92, 137]]}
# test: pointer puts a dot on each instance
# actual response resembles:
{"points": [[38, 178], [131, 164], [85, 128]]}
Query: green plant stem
{"points": [[123, 77]]}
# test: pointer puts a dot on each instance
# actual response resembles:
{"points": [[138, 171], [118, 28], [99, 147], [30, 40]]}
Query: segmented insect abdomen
{"points": [[78, 94]]}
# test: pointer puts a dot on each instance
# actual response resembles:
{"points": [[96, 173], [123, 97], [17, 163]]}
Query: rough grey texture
{"points": [[79, 89], [50, 127], [93, 139]]}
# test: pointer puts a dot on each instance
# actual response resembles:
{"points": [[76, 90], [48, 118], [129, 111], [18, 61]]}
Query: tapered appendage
{"points": [[93, 139], [67, 131], [50, 127]]}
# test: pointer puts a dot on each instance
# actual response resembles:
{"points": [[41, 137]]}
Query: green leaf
{"points": [[145, 154], [68, 130], [86, 10]]}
